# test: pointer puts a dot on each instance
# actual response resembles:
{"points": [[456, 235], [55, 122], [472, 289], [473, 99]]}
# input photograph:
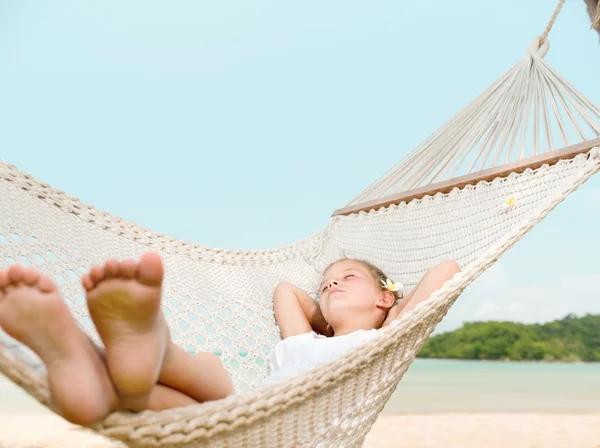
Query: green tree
{"points": [[569, 339]]}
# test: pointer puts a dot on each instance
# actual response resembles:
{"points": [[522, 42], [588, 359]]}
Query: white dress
{"points": [[302, 352]]}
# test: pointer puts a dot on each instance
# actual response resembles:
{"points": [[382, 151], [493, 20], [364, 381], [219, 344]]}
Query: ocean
{"points": [[436, 385], [444, 386]]}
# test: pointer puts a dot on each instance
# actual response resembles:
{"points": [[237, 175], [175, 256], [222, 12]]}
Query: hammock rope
{"points": [[501, 126], [517, 119], [544, 35]]}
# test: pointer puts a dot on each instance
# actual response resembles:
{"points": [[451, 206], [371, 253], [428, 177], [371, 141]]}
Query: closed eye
{"points": [[345, 277]]}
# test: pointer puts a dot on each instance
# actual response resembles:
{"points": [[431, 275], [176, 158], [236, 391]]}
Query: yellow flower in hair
{"points": [[391, 286]]}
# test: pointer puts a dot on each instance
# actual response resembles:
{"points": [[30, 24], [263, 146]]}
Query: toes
{"points": [[3, 278], [46, 284], [128, 268], [87, 282], [10, 279], [3, 282], [111, 268], [30, 276], [97, 274], [14, 273], [150, 271]]}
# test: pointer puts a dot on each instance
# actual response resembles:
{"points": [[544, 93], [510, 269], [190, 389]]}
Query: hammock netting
{"points": [[220, 301]]}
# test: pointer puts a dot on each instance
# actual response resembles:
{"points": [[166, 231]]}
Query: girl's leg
{"points": [[161, 397], [124, 298], [208, 380], [33, 312], [200, 376]]}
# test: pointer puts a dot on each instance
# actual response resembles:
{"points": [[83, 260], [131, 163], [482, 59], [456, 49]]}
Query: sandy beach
{"points": [[564, 412], [414, 431]]}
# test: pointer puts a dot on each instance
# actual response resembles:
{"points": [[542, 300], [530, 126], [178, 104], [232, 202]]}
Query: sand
{"points": [[486, 431], [24, 423], [414, 431]]}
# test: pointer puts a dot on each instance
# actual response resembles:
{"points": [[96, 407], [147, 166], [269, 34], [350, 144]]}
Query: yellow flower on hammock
{"points": [[391, 286], [509, 202]]}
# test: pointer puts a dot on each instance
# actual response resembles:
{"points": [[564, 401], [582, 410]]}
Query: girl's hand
{"points": [[319, 324]]}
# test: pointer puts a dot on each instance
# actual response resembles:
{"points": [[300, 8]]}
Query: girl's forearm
{"points": [[312, 311]]}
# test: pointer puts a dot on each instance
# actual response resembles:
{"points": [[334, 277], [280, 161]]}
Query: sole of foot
{"points": [[124, 300], [33, 312]]}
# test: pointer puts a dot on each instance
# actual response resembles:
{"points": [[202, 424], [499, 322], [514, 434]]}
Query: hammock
{"points": [[467, 193]]}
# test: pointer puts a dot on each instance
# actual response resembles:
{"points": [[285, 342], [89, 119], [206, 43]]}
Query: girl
{"points": [[141, 368]]}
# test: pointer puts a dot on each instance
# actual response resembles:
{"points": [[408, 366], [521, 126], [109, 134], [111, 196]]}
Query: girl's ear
{"points": [[387, 299]]}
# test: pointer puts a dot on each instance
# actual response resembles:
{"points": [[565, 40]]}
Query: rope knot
{"points": [[538, 47]]}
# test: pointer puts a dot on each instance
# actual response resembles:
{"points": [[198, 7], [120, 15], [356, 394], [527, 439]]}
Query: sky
{"points": [[245, 124]]}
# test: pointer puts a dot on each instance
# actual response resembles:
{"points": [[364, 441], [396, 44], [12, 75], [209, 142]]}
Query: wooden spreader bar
{"points": [[549, 158]]}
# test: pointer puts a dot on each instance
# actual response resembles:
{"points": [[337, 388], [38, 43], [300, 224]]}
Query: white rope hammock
{"points": [[518, 118]]}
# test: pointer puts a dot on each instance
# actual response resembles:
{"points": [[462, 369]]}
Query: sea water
{"points": [[432, 386]]}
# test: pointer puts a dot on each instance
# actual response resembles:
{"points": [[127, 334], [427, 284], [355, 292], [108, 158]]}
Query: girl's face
{"points": [[349, 291]]}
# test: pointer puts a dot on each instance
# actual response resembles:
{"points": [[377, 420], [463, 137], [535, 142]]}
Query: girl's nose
{"points": [[332, 284]]}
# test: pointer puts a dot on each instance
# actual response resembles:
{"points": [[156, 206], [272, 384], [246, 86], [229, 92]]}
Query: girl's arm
{"points": [[296, 312], [433, 280]]}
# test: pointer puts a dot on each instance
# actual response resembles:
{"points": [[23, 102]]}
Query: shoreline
{"points": [[521, 361]]}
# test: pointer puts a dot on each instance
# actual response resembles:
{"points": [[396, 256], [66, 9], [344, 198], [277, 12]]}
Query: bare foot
{"points": [[124, 303], [32, 312]]}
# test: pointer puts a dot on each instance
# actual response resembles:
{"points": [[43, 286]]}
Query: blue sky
{"points": [[245, 124]]}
